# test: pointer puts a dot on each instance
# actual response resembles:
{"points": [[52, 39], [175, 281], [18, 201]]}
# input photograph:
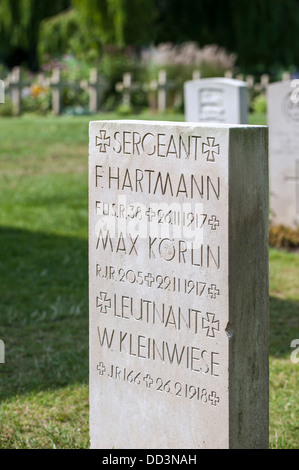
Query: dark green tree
{"points": [[20, 26], [68, 33], [263, 33], [119, 22]]}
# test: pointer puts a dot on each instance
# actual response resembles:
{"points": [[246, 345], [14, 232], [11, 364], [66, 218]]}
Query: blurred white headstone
{"points": [[216, 100], [283, 120]]}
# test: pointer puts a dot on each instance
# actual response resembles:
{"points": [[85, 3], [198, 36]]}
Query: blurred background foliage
{"points": [[142, 37], [262, 33]]}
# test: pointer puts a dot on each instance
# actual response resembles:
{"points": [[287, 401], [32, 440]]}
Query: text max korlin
{"points": [[168, 249]]}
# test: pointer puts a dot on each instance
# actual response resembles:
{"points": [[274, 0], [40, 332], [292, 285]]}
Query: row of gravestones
{"points": [[95, 86], [178, 283], [157, 90], [15, 85]]}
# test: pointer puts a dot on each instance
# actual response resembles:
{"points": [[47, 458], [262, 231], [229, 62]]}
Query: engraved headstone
{"points": [[283, 121], [178, 276], [216, 100]]}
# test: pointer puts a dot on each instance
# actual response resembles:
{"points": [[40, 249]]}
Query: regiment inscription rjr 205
{"points": [[178, 276]]}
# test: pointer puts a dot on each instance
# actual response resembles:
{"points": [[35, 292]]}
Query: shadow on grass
{"points": [[284, 326], [44, 312]]}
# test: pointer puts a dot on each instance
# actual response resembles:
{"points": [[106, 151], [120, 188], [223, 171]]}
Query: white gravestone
{"points": [[178, 276], [216, 100], [1, 91], [283, 121]]}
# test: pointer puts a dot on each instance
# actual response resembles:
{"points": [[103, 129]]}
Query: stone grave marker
{"points": [[2, 91], [16, 85], [162, 86], [283, 121], [216, 100], [126, 87], [56, 87], [2, 352], [96, 86], [178, 276]]}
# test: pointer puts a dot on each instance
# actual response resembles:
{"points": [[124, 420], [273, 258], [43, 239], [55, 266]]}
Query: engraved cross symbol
{"points": [[211, 149], [102, 141], [214, 222], [296, 180], [213, 398], [148, 381], [150, 214], [149, 279], [210, 324], [101, 368], [213, 291], [103, 302]]}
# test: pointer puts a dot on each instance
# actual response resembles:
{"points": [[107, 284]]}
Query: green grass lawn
{"points": [[44, 290]]}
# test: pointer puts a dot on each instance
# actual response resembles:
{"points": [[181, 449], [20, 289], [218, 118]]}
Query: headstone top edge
{"points": [[198, 125], [280, 83], [219, 80]]}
